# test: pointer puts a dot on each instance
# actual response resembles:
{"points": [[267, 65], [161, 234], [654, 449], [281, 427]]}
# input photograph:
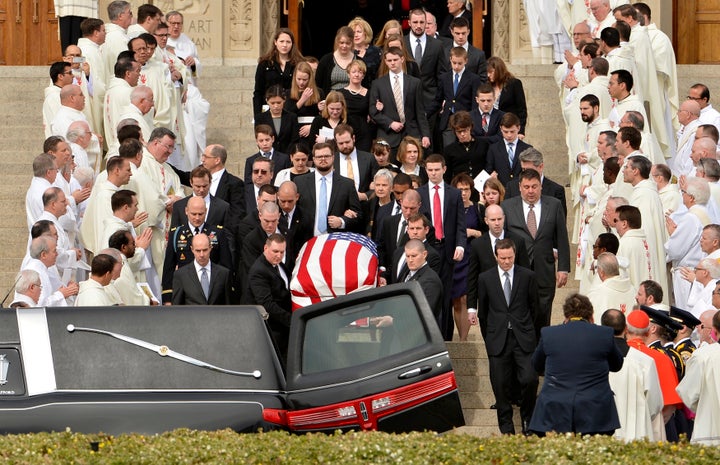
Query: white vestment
{"points": [[98, 210], [638, 396], [156, 75], [67, 257], [709, 115], [645, 197], [92, 294], [51, 105], [615, 292], [116, 41], [50, 296], [700, 391], [636, 258], [700, 297], [682, 249], [126, 285], [133, 112], [629, 103], [667, 78], [671, 198], [117, 97], [681, 163], [93, 54]]}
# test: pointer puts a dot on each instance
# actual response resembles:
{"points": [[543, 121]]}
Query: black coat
{"points": [[289, 130], [188, 291], [549, 188], [497, 160]]}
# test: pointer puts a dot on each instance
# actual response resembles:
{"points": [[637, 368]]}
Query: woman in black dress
{"points": [[275, 67], [358, 101], [509, 93]]}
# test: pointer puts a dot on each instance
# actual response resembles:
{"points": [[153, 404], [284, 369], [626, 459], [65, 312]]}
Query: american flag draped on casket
{"points": [[333, 264]]}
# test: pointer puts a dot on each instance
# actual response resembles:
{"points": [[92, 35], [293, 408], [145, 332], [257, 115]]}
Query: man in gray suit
{"points": [[540, 221]]}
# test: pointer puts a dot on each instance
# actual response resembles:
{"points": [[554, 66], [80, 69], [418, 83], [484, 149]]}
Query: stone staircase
{"points": [[229, 90]]}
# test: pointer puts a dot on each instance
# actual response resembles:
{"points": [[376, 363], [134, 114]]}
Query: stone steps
{"points": [[229, 91]]}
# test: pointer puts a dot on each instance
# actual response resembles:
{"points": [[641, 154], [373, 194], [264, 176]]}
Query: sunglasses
{"points": [[260, 171]]}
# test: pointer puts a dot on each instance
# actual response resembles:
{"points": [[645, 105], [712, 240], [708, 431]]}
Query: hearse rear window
{"points": [[362, 334]]}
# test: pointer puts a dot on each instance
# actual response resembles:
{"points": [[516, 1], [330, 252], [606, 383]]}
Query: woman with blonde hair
{"points": [[370, 54], [275, 67], [305, 99], [391, 27], [335, 112], [358, 101]]}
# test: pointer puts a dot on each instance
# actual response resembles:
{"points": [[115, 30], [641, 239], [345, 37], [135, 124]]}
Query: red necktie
{"points": [[437, 214]]}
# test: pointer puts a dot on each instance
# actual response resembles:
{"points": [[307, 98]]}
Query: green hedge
{"points": [[227, 447]]}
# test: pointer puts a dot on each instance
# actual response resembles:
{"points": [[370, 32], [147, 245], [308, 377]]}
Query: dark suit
{"points": [[482, 258], [432, 288], [549, 188], [387, 240], [450, 102], [577, 357], [493, 133], [432, 65], [280, 162], [343, 197], [217, 213], [268, 289], [509, 337], [444, 29], [300, 230], [497, 160], [187, 289], [551, 234], [178, 253], [470, 158], [250, 199], [252, 248], [231, 189], [289, 130], [476, 59], [512, 100], [367, 167], [416, 123], [376, 215], [398, 276], [455, 235]]}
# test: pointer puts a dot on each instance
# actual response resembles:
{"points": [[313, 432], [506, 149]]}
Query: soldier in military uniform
{"points": [[663, 330], [683, 344], [178, 252]]}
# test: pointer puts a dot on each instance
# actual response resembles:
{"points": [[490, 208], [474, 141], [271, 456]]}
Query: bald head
{"points": [[581, 32], [195, 211], [707, 145], [72, 96], [411, 196], [692, 107]]}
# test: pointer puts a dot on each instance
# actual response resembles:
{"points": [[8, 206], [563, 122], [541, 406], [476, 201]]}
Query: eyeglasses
{"points": [[260, 171], [697, 99], [175, 23], [700, 269], [320, 157], [169, 147], [162, 35]]}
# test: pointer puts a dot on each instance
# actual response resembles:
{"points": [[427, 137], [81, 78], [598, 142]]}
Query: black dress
{"points": [[372, 59], [304, 114], [357, 114], [267, 74], [467, 158]]}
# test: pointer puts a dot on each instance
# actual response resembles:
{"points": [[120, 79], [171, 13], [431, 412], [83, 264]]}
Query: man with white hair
{"points": [[140, 109], [27, 289], [43, 254], [614, 291], [703, 279], [689, 117], [695, 197], [682, 249]]}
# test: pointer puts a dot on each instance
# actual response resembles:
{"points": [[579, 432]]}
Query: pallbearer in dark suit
{"points": [[202, 282], [531, 158], [443, 205], [329, 198], [269, 281], [418, 227], [503, 156], [576, 358], [223, 185], [507, 296], [295, 223], [420, 271], [540, 221]]}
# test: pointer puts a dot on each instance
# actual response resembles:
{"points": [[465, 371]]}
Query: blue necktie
{"points": [[322, 207], [511, 154], [455, 83]]}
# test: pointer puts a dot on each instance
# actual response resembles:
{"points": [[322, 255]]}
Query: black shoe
{"points": [[526, 428]]}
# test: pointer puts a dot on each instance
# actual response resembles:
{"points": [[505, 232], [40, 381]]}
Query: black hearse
{"points": [[371, 360]]}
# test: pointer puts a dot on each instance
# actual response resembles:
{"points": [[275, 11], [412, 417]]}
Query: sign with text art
{"points": [[331, 265]]}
